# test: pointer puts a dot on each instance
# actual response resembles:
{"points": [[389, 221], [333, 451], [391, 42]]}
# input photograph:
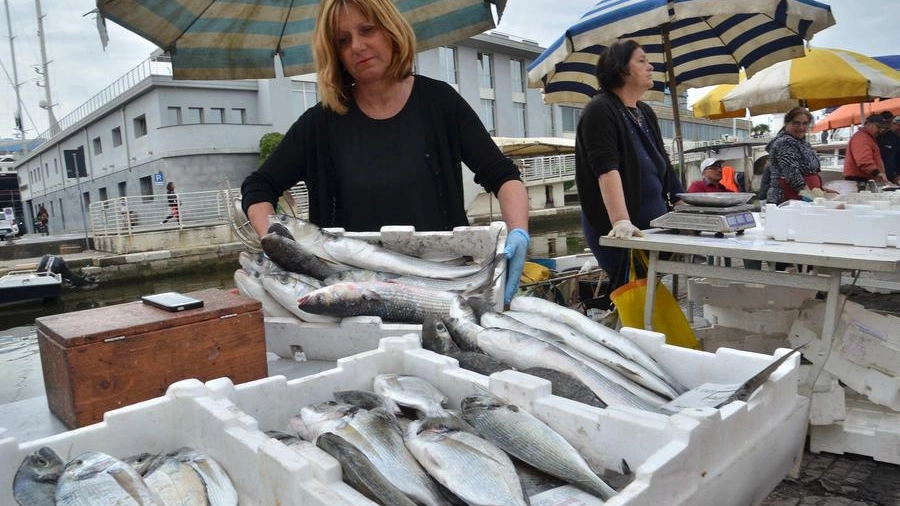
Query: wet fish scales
{"points": [[97, 478], [37, 476], [564, 385], [291, 256]]}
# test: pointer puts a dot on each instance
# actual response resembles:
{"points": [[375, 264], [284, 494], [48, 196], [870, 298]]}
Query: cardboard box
{"points": [[108, 357]]}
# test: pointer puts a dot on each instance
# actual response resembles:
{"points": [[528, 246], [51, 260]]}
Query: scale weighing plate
{"points": [[720, 220]]}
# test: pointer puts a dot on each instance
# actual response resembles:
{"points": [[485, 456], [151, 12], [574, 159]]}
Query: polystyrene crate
{"points": [[713, 338], [677, 459], [860, 225], [827, 402], [756, 321], [868, 429], [185, 416], [733, 294], [865, 351]]}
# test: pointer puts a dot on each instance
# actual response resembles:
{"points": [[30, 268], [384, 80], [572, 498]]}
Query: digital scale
{"points": [[719, 220]]}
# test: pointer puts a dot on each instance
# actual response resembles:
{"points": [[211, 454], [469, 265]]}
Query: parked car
{"points": [[8, 228]]}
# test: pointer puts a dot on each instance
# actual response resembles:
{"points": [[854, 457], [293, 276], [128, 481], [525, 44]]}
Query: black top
{"points": [[603, 142], [362, 173]]}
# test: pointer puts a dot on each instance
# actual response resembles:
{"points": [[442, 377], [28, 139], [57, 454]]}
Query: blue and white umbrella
{"points": [[690, 43]]}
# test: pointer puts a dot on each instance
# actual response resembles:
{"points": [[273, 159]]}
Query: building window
{"points": [[517, 74], [485, 71], [140, 126], [117, 136], [101, 194], [304, 95], [487, 115], [447, 56], [238, 116], [519, 122], [122, 189], [146, 183], [193, 116], [216, 115], [173, 116], [98, 146], [570, 117]]}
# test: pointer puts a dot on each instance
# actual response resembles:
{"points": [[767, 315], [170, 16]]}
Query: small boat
{"points": [[18, 286]]}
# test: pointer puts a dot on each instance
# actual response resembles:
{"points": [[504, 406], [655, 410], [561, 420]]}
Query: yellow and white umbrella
{"points": [[710, 105], [822, 78]]}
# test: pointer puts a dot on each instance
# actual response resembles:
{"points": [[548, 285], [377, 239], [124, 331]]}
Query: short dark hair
{"points": [[612, 65], [796, 111]]}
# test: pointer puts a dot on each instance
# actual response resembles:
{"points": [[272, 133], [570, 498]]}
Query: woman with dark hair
{"points": [[793, 164], [624, 176], [172, 200], [345, 147]]}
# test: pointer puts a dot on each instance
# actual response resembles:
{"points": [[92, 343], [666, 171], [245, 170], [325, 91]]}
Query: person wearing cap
{"points": [[863, 160], [889, 147], [793, 164], [711, 170]]}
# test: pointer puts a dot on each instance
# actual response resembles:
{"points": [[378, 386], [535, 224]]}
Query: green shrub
{"points": [[267, 144]]}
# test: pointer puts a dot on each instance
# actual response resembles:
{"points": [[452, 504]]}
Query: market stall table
{"points": [[829, 262]]}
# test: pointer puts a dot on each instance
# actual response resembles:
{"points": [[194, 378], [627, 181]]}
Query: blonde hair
{"points": [[334, 80]]}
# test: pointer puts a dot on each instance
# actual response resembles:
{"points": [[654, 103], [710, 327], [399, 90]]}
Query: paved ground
{"points": [[839, 480]]}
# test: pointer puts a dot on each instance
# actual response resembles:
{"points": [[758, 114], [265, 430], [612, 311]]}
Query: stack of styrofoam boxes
{"points": [[863, 417], [875, 225], [745, 316]]}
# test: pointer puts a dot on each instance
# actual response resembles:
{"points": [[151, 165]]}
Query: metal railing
{"points": [[540, 168]]}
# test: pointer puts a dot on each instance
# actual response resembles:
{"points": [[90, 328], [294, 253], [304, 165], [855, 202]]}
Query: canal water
{"points": [[548, 240]]}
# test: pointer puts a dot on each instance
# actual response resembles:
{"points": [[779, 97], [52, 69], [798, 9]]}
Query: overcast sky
{"points": [[79, 67]]}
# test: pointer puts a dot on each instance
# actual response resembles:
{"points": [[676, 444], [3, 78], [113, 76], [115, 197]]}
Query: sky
{"points": [[79, 67]]}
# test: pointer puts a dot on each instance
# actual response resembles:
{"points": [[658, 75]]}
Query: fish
{"points": [[141, 462], [482, 363], [523, 351], [603, 335], [36, 478], [286, 288], [219, 488], [411, 392], [249, 284], [291, 256], [747, 388], [564, 385], [366, 255], [389, 301], [285, 438], [308, 235], [471, 467], [366, 400], [436, 337], [176, 483], [359, 472], [99, 478], [376, 435], [529, 439], [258, 263]]}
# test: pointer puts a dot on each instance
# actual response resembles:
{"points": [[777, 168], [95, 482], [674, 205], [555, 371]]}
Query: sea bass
{"points": [[36, 478], [471, 467], [249, 284], [376, 435], [527, 438], [286, 288], [97, 478]]}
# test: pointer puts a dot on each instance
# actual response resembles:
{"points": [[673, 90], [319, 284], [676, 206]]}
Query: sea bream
{"points": [[411, 392], [176, 483], [219, 489], [376, 435], [36, 478], [527, 438], [94, 478]]}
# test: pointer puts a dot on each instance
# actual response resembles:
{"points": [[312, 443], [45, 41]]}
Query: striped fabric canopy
{"points": [[237, 39], [711, 40]]}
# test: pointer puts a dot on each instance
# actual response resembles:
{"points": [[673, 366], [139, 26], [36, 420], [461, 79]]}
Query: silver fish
{"points": [[377, 436], [359, 472], [308, 235], [357, 276], [482, 363], [286, 288], [219, 488], [366, 400], [176, 483], [471, 467], [436, 337], [564, 385], [527, 438], [291, 256], [411, 391], [284, 437], [249, 284], [36, 478], [389, 301], [97, 478], [258, 263], [603, 335]]}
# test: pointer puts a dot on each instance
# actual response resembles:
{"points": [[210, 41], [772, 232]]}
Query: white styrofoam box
{"points": [[677, 459], [713, 338], [760, 321], [858, 224], [828, 400], [185, 416], [286, 337], [868, 429], [734, 294], [865, 351], [880, 199]]}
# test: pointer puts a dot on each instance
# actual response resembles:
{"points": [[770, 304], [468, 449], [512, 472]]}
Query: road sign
{"points": [[158, 179]]}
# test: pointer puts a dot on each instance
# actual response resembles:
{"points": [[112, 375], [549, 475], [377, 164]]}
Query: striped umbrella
{"points": [[691, 43], [238, 39], [710, 106], [822, 78]]}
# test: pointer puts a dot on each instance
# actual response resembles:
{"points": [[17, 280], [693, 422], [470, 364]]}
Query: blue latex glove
{"points": [[516, 247]]}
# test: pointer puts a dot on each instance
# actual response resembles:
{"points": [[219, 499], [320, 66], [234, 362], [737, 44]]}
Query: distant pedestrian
{"points": [[172, 199], [43, 219]]}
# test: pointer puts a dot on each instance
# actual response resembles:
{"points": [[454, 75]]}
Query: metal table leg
{"points": [[828, 328], [651, 290]]}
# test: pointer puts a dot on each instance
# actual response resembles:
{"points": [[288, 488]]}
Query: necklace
{"points": [[635, 114]]}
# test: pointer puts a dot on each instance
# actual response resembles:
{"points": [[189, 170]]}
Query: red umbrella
{"points": [[854, 114]]}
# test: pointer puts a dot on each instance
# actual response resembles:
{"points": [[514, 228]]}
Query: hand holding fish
{"points": [[516, 247]]}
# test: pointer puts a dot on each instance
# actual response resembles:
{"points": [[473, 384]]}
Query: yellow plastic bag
{"points": [[668, 318]]}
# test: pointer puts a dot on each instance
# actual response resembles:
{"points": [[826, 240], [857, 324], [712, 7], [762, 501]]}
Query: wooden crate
{"points": [[105, 358]]}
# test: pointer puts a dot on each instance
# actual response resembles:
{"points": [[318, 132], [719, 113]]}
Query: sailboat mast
{"points": [[12, 49], [54, 126]]}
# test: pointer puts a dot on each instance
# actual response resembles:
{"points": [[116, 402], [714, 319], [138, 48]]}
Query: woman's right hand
{"points": [[258, 214]]}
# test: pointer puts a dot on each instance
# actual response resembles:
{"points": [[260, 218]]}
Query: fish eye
{"points": [[41, 461]]}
